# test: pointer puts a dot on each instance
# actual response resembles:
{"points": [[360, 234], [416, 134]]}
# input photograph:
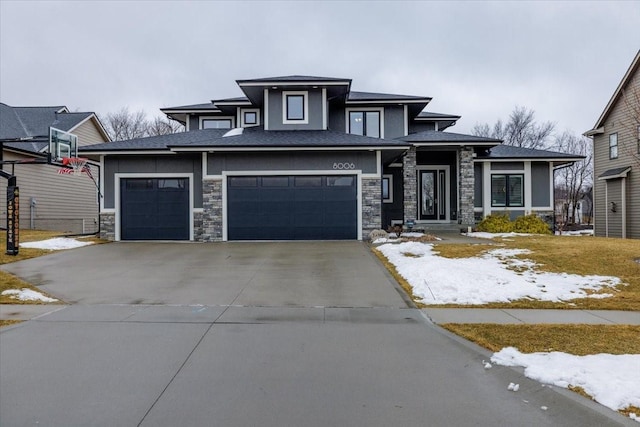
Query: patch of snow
{"points": [[487, 365], [480, 280], [55, 244], [234, 132], [544, 408], [612, 380], [27, 295], [513, 387], [485, 235], [575, 233]]}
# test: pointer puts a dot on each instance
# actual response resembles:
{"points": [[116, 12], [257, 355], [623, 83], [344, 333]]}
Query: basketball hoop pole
{"points": [[13, 213]]}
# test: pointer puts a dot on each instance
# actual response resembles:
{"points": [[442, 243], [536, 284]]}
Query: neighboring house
{"points": [[616, 160], [305, 157], [48, 200]]}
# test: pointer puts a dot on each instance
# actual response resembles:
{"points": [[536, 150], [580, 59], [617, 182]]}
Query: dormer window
{"points": [[295, 107], [365, 123]]}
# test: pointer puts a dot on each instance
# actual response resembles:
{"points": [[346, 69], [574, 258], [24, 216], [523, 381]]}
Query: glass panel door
{"points": [[432, 195]]}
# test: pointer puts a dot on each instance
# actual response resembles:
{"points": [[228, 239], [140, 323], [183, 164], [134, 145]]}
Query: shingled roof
{"points": [[253, 137], [33, 123]]}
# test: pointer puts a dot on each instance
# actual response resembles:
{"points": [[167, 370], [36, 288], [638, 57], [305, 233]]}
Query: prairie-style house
{"points": [[48, 200], [306, 157], [616, 160]]}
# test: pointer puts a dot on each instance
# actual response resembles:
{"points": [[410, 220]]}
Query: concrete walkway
{"points": [[527, 316], [436, 315]]}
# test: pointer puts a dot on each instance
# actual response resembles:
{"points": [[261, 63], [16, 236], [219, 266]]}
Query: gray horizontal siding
{"points": [[290, 161], [64, 203], [621, 121], [191, 163], [501, 166], [314, 113]]}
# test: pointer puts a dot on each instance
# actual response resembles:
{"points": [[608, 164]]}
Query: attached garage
{"points": [[154, 209], [306, 207]]}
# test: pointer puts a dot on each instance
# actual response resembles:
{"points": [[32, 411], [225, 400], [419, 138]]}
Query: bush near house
{"points": [[497, 223], [500, 223]]}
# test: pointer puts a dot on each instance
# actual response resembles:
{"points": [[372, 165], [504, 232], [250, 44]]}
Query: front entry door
{"points": [[432, 195]]}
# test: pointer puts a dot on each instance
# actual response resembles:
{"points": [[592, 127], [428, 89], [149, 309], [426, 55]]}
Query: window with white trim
{"points": [[613, 146], [249, 117], [387, 188], [211, 123], [507, 190], [295, 107], [366, 123]]}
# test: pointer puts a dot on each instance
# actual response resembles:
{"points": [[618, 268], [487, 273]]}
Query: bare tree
{"points": [[573, 181], [163, 126], [124, 125], [521, 130]]}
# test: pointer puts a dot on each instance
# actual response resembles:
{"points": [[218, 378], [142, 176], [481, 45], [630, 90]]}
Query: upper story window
{"points": [[507, 190], [295, 107], [365, 122], [216, 123], [249, 117], [613, 146]]}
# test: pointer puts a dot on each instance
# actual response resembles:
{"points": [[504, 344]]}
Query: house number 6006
{"points": [[344, 166]]}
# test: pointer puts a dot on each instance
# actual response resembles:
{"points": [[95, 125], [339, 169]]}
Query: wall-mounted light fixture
{"points": [[614, 207]]}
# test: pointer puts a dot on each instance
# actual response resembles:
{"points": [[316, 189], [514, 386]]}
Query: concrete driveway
{"points": [[287, 334], [282, 274]]}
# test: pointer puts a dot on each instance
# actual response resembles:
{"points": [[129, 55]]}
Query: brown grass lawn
{"points": [[570, 254], [573, 339], [9, 281]]}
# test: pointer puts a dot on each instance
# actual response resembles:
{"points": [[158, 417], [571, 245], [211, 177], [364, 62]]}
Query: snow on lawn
{"points": [[480, 280], [612, 380], [55, 244], [27, 295]]}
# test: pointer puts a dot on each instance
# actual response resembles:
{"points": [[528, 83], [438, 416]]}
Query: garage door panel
{"points": [[292, 208], [154, 209]]}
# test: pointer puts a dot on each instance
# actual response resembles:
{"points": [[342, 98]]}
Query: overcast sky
{"points": [[476, 59]]}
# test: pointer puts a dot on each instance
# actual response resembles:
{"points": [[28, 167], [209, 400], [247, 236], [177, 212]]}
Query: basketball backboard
{"points": [[62, 144]]}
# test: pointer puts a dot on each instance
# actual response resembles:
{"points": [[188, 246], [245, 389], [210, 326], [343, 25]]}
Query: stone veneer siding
{"points": [[108, 226], [371, 205], [410, 185], [467, 179], [210, 229]]}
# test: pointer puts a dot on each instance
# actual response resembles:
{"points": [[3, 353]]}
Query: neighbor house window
{"points": [[613, 146], [387, 188], [638, 139], [507, 190], [216, 124], [295, 107], [366, 123]]}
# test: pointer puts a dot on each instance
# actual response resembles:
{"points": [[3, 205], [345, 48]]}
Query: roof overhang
{"points": [[593, 132], [212, 149], [615, 173], [455, 144]]}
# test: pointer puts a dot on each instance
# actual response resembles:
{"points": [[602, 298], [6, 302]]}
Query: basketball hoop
{"points": [[74, 165]]}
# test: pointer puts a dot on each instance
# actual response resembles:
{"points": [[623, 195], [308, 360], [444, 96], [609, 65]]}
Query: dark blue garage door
{"points": [[154, 209], [292, 207]]}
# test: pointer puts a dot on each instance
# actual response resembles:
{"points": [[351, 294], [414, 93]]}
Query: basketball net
{"points": [[74, 166]]}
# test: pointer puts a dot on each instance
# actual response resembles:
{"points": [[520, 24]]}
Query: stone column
{"points": [[108, 226], [211, 211], [371, 205], [410, 185], [467, 186]]}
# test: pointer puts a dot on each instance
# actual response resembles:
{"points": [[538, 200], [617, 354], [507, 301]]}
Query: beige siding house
{"points": [[616, 149], [49, 200]]}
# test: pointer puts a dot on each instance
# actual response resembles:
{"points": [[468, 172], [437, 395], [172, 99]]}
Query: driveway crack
{"points": [[181, 366]]}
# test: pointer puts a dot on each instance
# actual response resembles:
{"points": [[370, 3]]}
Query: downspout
{"points": [[624, 207]]}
